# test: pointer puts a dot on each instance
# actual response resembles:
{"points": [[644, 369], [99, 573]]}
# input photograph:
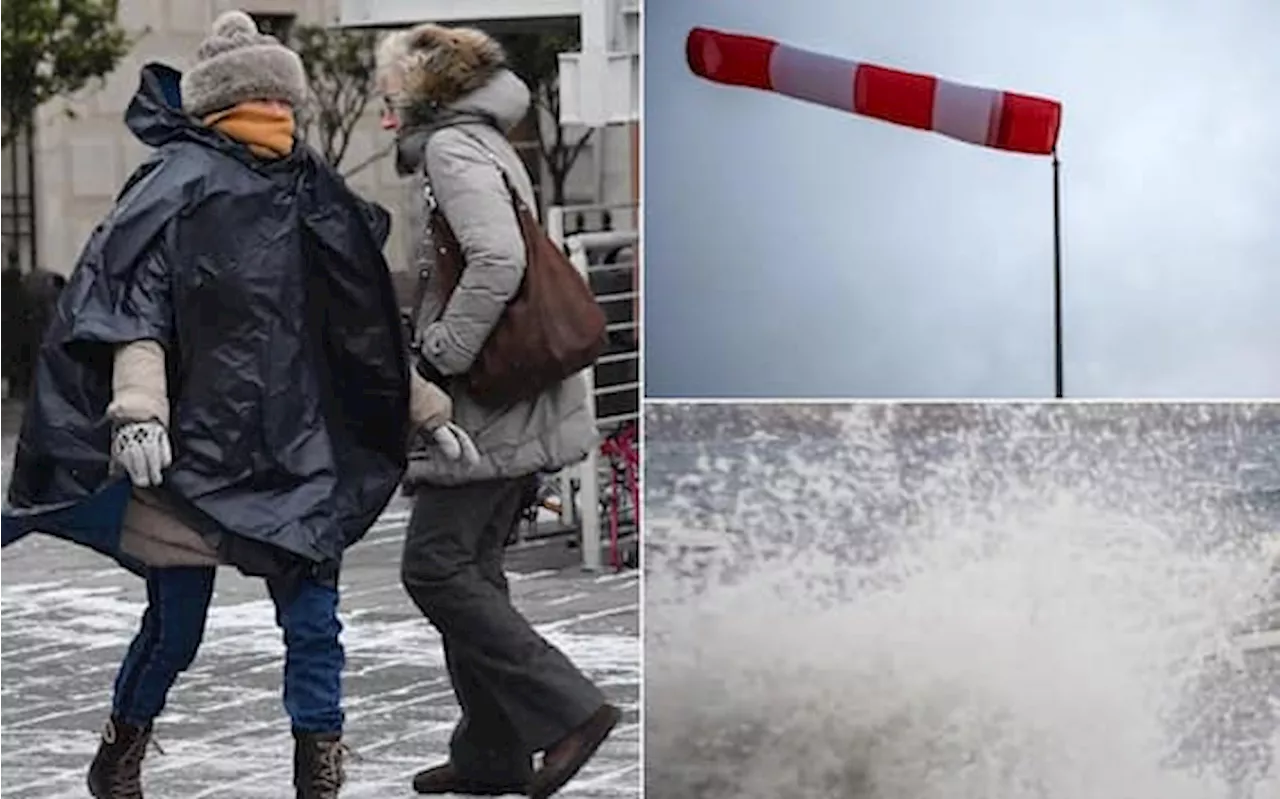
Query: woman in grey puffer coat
{"points": [[452, 100]]}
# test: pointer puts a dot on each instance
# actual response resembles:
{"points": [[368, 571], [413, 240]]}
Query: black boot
{"points": [[116, 772], [318, 764]]}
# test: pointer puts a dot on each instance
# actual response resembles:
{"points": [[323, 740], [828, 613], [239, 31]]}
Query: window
{"points": [[18, 234], [277, 25]]}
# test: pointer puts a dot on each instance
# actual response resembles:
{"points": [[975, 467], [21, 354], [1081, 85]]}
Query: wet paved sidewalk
{"points": [[66, 616], [10, 423]]}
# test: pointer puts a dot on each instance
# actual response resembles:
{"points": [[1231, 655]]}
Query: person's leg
{"points": [[564, 757], [537, 691], [172, 628], [307, 613], [484, 741], [491, 550], [486, 753], [484, 748]]}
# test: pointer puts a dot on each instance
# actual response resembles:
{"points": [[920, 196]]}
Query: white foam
{"points": [[1038, 626]]}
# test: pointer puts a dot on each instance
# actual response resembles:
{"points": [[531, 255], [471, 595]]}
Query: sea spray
{"points": [[1006, 602]]}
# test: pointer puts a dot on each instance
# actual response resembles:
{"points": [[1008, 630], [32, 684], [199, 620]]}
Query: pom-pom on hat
{"points": [[236, 64]]}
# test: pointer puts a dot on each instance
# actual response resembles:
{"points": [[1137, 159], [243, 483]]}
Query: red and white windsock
{"points": [[1004, 120]]}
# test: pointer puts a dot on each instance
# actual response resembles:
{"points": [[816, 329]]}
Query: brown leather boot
{"points": [[116, 772], [319, 764], [565, 759], [445, 779]]}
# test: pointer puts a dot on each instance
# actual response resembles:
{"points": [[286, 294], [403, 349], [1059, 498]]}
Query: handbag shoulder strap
{"points": [[516, 198], [429, 195], [424, 276], [433, 215]]}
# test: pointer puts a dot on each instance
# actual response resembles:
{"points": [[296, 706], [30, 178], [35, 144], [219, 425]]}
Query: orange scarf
{"points": [[265, 129]]}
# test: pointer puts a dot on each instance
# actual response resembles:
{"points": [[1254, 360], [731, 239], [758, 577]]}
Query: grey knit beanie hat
{"points": [[237, 63]]}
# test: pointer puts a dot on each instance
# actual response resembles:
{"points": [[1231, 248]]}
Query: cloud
{"points": [[793, 250]]}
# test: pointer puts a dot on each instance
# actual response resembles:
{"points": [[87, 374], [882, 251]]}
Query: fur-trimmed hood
{"points": [[502, 102], [437, 66]]}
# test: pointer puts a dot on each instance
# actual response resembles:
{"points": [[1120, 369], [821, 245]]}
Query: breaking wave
{"points": [[960, 602]]}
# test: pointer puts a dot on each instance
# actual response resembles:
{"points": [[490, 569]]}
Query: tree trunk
{"points": [[558, 154]]}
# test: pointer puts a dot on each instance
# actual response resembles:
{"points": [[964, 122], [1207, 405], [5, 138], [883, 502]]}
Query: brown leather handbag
{"points": [[552, 328]]}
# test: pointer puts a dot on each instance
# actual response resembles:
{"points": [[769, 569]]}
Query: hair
{"points": [[392, 50], [436, 65]]}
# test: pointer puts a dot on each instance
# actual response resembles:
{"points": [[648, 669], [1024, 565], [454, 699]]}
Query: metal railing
{"points": [[606, 258], [563, 221], [19, 232]]}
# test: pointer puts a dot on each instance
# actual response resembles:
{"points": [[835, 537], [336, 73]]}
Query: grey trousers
{"points": [[519, 694]]}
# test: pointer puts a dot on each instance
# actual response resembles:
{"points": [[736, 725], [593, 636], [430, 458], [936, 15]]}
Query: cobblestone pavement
{"points": [[67, 614]]}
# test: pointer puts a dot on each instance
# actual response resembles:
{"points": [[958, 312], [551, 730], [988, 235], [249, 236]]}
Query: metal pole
{"points": [[14, 131], [34, 246], [1057, 279]]}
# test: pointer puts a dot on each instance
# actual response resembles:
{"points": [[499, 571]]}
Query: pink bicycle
{"points": [[622, 450]]}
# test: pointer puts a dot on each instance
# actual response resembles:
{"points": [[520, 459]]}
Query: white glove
{"points": [[142, 450], [454, 443]]}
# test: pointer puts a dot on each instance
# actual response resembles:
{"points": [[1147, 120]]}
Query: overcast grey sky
{"points": [[795, 250]]}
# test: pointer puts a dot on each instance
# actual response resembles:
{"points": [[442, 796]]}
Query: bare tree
{"points": [[340, 70], [535, 58]]}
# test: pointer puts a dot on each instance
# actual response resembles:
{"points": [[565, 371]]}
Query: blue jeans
{"points": [[173, 625]]}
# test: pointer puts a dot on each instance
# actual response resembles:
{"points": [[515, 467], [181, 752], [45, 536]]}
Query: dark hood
{"points": [[156, 117]]}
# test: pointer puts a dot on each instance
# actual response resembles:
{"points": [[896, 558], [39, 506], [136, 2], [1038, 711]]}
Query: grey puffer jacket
{"points": [[556, 428]]}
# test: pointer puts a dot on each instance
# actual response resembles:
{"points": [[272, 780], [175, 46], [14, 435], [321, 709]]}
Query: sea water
{"points": [[1001, 602]]}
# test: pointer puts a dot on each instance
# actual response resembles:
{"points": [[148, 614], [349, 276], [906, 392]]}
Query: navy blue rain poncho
{"points": [[288, 382]]}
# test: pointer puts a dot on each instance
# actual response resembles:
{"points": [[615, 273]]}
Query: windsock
{"points": [[1003, 120]]}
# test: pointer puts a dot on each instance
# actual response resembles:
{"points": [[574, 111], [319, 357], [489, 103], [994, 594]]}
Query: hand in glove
{"points": [[454, 443], [430, 410], [142, 450]]}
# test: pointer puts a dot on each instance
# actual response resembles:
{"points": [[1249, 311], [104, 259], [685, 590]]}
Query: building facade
{"points": [[82, 151]]}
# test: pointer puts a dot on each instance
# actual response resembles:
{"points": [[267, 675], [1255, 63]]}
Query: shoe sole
{"points": [[560, 778], [466, 787], [475, 790]]}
